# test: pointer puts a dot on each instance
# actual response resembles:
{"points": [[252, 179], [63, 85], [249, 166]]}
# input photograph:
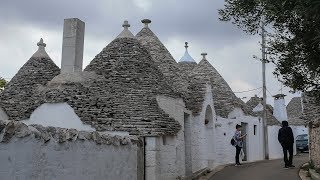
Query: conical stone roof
{"points": [[224, 99], [131, 83], [20, 97], [117, 91], [177, 78], [294, 111], [254, 102]]}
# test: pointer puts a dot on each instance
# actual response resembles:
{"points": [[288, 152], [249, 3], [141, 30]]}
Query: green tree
{"points": [[3, 82], [294, 40]]}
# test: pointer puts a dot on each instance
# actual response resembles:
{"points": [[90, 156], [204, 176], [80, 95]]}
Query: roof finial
{"points": [[204, 55], [186, 57], [186, 45], [126, 32], [41, 44], [126, 25], [146, 22], [41, 52]]}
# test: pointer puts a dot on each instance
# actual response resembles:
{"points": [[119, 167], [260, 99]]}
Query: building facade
{"points": [[184, 112]]}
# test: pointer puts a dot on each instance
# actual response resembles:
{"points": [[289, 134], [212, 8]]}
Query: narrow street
{"points": [[263, 170]]}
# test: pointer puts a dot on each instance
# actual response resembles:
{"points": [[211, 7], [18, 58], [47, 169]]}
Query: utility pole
{"points": [[264, 87]]}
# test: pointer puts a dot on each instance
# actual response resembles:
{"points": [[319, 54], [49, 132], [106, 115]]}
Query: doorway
{"points": [[187, 144], [245, 140]]}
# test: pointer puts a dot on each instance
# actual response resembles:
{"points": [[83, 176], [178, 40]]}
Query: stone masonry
{"points": [[11, 129], [176, 77], [294, 111], [20, 97], [271, 120], [117, 91], [72, 46], [37, 152], [225, 100], [311, 113]]}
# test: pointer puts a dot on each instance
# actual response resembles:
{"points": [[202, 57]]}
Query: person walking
{"points": [[238, 138], [286, 139]]}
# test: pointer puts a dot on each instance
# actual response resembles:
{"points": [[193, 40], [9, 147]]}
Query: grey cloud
{"points": [[190, 19], [195, 21]]}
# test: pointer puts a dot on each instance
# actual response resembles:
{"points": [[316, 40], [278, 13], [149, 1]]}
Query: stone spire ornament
{"points": [[41, 52], [186, 45], [204, 55], [186, 57], [146, 22], [126, 33]]}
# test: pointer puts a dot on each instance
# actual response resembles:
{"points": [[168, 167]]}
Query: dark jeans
{"points": [[286, 149], [238, 150]]}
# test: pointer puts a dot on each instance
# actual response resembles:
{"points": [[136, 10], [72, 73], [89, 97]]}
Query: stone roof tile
{"points": [[311, 107], [294, 111], [117, 91], [271, 120], [174, 75], [20, 97], [224, 99]]}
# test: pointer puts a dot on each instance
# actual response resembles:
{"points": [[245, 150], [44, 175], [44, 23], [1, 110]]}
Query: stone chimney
{"points": [[72, 45], [279, 109]]}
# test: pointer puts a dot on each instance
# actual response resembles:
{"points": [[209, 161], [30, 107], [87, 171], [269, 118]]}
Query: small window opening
{"points": [[164, 140], [254, 129]]}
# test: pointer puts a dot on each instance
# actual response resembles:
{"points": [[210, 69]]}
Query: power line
{"points": [[248, 90], [269, 92]]}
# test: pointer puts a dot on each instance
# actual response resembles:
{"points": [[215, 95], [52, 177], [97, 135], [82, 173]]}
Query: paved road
{"points": [[263, 170]]}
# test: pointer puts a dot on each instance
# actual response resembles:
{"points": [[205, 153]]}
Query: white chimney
{"points": [[279, 109], [72, 45]]}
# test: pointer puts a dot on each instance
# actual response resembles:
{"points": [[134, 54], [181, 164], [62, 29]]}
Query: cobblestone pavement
{"points": [[263, 170]]}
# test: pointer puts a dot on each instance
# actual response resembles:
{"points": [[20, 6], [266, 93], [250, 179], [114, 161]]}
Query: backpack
{"points": [[233, 142]]}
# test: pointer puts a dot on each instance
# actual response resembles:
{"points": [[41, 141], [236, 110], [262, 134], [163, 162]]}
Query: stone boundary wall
{"points": [[311, 113], [37, 152], [314, 145]]}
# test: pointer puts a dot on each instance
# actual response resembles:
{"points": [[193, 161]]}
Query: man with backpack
{"points": [[237, 141], [286, 139]]}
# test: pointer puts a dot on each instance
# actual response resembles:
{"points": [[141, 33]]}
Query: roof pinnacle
{"points": [[126, 32], [146, 22], [126, 25], [186, 45], [41, 43], [204, 55], [186, 57], [41, 52]]}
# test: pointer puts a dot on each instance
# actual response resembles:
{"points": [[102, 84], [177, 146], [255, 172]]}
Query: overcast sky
{"points": [[229, 50]]}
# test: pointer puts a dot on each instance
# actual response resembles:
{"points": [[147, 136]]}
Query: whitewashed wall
{"points": [[275, 149], [280, 110], [225, 129], [168, 152], [38, 153], [57, 115], [3, 115], [298, 130], [203, 139]]}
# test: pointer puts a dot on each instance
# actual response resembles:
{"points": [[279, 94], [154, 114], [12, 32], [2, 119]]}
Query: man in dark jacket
{"points": [[286, 139]]}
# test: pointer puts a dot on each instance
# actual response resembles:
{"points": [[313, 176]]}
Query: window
{"points": [[164, 140], [302, 137], [208, 121], [254, 129]]}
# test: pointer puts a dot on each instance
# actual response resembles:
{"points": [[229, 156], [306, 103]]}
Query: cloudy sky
{"points": [[229, 50]]}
